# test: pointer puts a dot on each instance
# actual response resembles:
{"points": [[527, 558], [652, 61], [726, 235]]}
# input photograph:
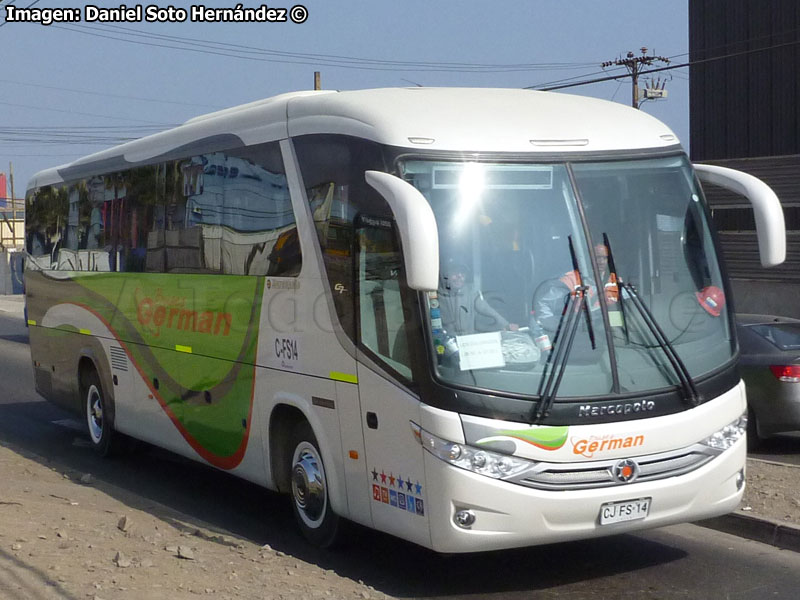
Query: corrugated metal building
{"points": [[745, 114]]}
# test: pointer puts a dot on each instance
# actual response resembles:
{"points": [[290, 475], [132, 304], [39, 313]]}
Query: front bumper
{"points": [[509, 515]]}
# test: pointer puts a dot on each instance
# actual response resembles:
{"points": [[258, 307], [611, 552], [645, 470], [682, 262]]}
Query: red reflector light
{"points": [[788, 373]]}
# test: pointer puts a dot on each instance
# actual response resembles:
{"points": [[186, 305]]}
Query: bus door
{"points": [[394, 460]]}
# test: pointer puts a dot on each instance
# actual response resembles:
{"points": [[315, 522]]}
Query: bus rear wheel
{"points": [[309, 489], [98, 414]]}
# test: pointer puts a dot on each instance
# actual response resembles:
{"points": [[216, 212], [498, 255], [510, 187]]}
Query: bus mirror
{"points": [[770, 225], [419, 237]]}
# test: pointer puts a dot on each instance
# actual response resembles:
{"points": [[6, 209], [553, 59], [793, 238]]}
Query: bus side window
{"points": [[333, 174], [236, 214], [381, 318], [47, 210]]}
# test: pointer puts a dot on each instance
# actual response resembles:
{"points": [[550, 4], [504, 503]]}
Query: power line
{"points": [[108, 95], [70, 154], [81, 127], [739, 42], [57, 136], [283, 53], [634, 65], [619, 86], [4, 23], [73, 112], [538, 86], [680, 66], [547, 85], [267, 55]]}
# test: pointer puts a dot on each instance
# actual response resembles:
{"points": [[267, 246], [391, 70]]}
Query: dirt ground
{"points": [[62, 536], [773, 491]]}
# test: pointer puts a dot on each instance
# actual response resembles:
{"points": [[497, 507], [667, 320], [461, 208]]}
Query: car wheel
{"points": [[754, 440], [309, 491]]}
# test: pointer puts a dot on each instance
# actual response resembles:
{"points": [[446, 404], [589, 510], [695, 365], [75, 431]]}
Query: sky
{"points": [[71, 89]]}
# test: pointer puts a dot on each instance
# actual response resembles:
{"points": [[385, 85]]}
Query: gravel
{"points": [[61, 538]]}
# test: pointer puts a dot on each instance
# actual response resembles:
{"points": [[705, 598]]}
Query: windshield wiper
{"points": [[558, 364], [687, 383]]}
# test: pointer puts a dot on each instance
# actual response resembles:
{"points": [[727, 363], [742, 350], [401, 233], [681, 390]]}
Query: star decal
{"points": [[374, 474], [392, 479], [419, 489], [383, 477], [400, 482], [408, 484]]}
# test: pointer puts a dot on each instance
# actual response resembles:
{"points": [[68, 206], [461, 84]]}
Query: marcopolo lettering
{"points": [[590, 410]]}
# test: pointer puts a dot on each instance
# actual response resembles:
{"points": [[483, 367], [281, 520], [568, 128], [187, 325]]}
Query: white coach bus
{"points": [[472, 318]]}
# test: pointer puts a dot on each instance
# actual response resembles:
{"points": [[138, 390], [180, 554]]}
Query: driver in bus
{"points": [[550, 299], [461, 303]]}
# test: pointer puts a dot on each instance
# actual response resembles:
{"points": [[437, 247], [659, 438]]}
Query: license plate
{"points": [[629, 510]]}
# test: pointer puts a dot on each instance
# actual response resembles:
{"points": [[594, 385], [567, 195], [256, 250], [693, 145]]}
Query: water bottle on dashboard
{"points": [[539, 335]]}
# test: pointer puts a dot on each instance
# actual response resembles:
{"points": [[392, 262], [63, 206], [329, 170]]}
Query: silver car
{"points": [[770, 367]]}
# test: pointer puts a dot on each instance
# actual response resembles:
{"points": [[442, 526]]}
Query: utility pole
{"points": [[13, 207], [634, 65], [317, 83]]}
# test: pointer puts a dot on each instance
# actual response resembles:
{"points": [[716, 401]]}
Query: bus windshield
{"points": [[519, 241]]}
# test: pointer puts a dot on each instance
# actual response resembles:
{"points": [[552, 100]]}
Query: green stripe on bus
{"points": [[192, 332], [31, 322], [85, 331], [347, 378]]}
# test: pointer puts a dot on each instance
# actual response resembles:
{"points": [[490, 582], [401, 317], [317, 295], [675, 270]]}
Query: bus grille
{"points": [[119, 359], [573, 476]]}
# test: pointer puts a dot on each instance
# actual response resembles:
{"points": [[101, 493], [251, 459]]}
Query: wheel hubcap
{"points": [[94, 413], [308, 485]]}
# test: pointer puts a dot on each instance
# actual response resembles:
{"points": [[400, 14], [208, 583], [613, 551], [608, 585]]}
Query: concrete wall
{"points": [[766, 297]]}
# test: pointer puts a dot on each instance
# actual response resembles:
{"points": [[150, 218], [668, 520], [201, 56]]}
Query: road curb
{"points": [[759, 529]]}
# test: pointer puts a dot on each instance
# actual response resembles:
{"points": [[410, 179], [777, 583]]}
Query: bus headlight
{"points": [[728, 435], [477, 460]]}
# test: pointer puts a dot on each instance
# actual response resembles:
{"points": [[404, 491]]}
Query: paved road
{"points": [[675, 562], [783, 449]]}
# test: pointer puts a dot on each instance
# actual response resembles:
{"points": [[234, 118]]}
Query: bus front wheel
{"points": [[309, 491], [98, 414]]}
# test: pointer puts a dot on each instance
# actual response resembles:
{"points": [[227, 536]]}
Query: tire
{"points": [[309, 489], [754, 440], [99, 415]]}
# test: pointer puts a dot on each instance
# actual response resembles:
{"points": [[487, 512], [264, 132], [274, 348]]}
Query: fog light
{"points": [[465, 518], [740, 480]]}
